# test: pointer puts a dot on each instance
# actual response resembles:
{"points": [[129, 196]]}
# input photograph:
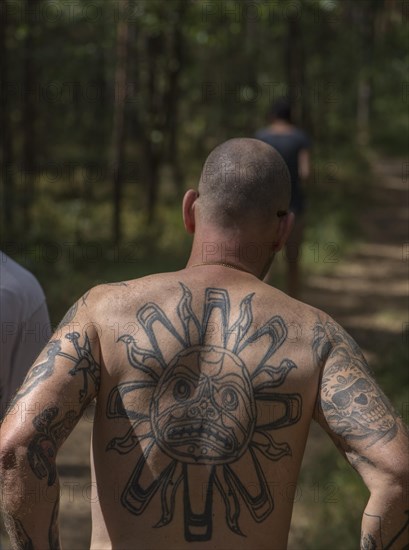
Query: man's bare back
{"points": [[206, 381], [204, 408]]}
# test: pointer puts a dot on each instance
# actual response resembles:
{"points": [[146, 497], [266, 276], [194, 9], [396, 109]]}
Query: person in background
{"points": [[293, 145], [24, 325]]}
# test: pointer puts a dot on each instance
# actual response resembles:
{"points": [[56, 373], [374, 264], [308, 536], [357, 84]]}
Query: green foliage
{"points": [[233, 61], [331, 494]]}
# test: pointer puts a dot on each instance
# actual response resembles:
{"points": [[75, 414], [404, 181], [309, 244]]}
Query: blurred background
{"points": [[108, 110]]}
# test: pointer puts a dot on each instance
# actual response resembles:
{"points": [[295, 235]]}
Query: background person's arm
{"points": [[62, 382], [304, 165], [364, 426]]}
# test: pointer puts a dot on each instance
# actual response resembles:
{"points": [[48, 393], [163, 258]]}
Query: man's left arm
{"points": [[62, 382]]}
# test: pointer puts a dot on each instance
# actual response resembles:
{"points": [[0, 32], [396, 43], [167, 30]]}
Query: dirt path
{"points": [[367, 293]]}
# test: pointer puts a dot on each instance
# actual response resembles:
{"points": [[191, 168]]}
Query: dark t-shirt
{"points": [[289, 145]]}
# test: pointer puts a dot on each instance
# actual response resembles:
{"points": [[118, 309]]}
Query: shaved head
{"points": [[243, 180]]}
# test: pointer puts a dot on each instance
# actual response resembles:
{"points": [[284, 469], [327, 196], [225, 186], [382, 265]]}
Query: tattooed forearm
{"points": [[18, 535], [42, 450], [401, 537], [53, 532], [368, 542], [377, 538], [353, 405], [21, 540]]}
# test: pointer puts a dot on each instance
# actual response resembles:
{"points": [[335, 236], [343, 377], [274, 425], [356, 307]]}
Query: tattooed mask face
{"points": [[203, 409], [361, 401]]}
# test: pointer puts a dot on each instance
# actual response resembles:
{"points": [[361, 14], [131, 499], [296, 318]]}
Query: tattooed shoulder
{"points": [[327, 335], [69, 316], [80, 359], [352, 403]]}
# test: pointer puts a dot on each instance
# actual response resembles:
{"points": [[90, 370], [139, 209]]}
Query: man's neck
{"points": [[281, 126], [250, 255]]}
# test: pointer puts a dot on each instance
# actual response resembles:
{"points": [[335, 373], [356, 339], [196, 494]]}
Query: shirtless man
{"points": [[206, 381]]}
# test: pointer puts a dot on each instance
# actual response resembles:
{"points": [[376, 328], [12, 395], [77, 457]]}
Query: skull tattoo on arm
{"points": [[351, 403]]}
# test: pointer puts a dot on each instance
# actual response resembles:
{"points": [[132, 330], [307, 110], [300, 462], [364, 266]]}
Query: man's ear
{"points": [[285, 226], [188, 209]]}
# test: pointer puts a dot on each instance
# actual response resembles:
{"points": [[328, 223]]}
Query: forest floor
{"points": [[367, 292]]}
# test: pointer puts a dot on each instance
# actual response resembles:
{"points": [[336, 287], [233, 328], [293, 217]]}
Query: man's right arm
{"points": [[360, 420], [304, 165], [64, 379]]}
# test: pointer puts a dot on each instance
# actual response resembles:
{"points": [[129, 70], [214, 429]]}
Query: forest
{"points": [[109, 108]]}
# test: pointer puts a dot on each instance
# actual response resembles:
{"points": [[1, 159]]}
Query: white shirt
{"points": [[24, 326]]}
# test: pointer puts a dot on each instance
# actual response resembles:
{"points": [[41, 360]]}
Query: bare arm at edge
{"points": [[62, 382], [360, 420]]}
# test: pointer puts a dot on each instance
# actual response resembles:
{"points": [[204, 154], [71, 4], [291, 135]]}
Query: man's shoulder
{"points": [[303, 317], [121, 295], [287, 302], [168, 290]]}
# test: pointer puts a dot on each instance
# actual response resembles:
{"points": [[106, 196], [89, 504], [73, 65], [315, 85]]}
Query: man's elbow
{"points": [[394, 483], [13, 455], [13, 462]]}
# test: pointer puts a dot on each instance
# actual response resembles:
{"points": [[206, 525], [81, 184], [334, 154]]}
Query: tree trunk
{"points": [[121, 82], [30, 81], [362, 112], [154, 112], [293, 67], [8, 183], [173, 96], [366, 13], [251, 59]]}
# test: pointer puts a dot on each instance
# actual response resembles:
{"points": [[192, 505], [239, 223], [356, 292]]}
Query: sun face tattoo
{"points": [[203, 419]]}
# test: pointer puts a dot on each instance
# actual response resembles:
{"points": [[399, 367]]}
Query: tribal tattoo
{"points": [[353, 405], [69, 316], [39, 372], [72, 312], [203, 420], [83, 361], [42, 450]]}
